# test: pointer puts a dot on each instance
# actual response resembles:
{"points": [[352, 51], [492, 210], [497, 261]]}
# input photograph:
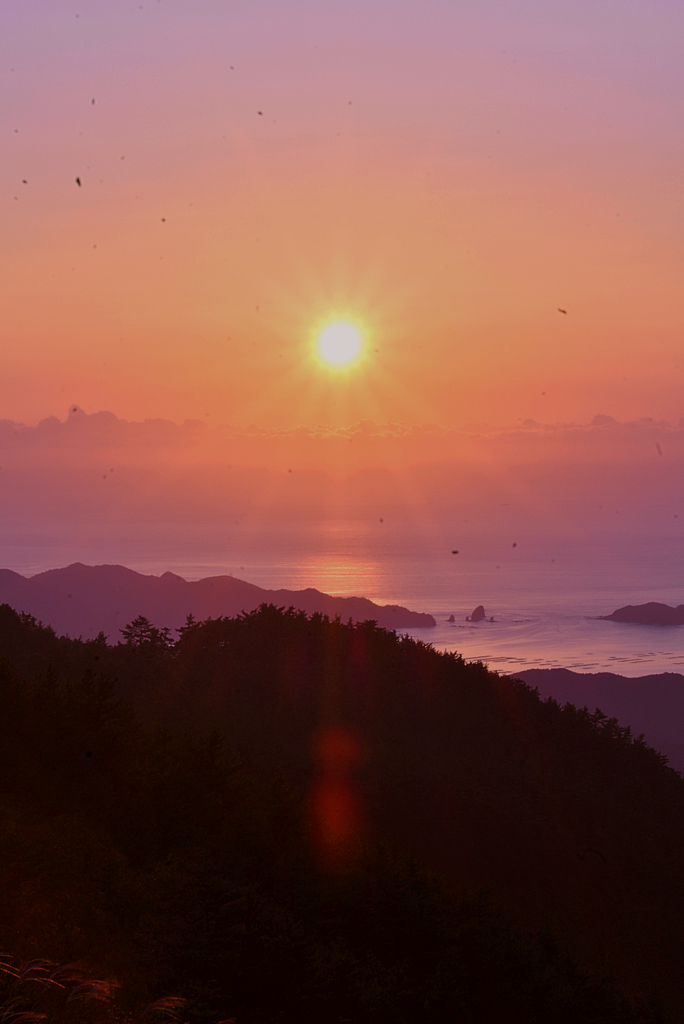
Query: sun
{"points": [[339, 344]]}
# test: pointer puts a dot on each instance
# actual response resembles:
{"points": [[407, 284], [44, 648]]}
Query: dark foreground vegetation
{"points": [[283, 818]]}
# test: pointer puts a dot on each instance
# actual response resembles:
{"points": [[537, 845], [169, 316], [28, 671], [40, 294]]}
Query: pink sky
{"points": [[447, 174]]}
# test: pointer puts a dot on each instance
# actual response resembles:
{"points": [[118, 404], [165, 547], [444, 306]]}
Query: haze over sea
{"points": [[554, 525]]}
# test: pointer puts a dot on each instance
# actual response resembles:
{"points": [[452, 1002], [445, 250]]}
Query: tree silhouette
{"points": [[141, 633]]}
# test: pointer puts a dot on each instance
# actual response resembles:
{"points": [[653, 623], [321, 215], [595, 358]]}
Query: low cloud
{"points": [[364, 444]]}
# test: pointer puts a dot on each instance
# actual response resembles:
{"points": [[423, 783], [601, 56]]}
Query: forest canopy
{"points": [[282, 817]]}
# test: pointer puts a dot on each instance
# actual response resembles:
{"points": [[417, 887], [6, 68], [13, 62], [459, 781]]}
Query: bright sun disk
{"points": [[339, 344]]}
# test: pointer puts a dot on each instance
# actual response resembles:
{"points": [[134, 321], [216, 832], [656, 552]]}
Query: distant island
{"points": [[651, 614], [479, 615], [84, 600]]}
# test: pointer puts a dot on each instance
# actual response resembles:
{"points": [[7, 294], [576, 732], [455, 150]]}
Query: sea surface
{"points": [[546, 613]]}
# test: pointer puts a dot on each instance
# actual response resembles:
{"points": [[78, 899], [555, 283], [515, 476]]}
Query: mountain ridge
{"points": [[651, 704], [84, 600]]}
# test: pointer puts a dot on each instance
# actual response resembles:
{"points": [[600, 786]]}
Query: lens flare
{"points": [[335, 803]]}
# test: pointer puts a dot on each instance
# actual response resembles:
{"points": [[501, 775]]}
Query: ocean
{"points": [[545, 613]]}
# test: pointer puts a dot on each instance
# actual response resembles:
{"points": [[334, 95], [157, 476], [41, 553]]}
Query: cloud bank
{"points": [[372, 444], [96, 487]]}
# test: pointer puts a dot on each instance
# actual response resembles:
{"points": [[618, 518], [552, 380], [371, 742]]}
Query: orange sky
{"points": [[96, 488], [448, 176]]}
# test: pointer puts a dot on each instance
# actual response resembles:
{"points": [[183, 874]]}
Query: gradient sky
{"points": [[448, 174]]}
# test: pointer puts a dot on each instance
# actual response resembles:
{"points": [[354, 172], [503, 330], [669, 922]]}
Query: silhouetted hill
{"points": [[651, 614], [567, 820], [84, 600], [652, 705]]}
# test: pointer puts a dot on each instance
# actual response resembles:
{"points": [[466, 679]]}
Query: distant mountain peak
{"points": [[84, 600]]}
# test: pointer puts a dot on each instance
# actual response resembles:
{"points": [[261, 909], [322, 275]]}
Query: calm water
{"points": [[545, 601], [545, 613]]}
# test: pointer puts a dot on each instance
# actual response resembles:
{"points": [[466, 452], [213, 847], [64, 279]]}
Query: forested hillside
{"points": [[287, 818]]}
